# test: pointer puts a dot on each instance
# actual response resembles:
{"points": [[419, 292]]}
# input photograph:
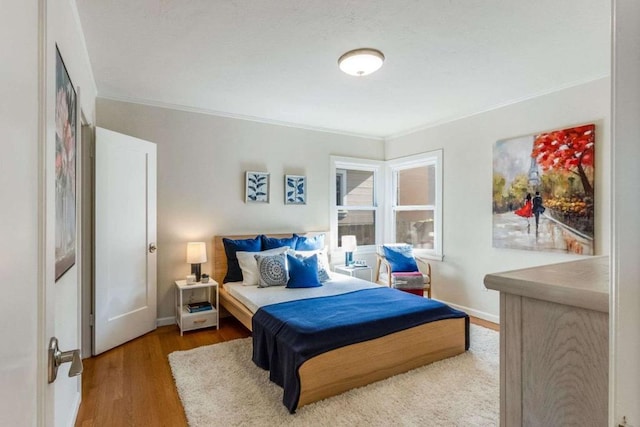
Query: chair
{"points": [[384, 274]]}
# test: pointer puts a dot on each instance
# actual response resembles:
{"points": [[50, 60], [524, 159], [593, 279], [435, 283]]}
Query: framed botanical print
{"points": [[295, 190], [256, 187], [65, 167]]}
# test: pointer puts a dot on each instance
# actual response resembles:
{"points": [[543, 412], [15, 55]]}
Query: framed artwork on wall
{"points": [[65, 170], [295, 190], [543, 191], [256, 187]]}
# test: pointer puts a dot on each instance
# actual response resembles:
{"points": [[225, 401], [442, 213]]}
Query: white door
{"points": [[125, 236]]}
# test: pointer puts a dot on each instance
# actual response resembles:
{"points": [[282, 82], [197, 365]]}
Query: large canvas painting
{"points": [[65, 167], [543, 191]]}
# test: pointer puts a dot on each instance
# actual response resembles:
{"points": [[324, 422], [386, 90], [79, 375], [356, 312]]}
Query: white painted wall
{"points": [[201, 164], [625, 301], [19, 213], [65, 30], [467, 164]]}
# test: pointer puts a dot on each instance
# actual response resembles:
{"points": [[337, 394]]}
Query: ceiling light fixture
{"points": [[361, 62]]}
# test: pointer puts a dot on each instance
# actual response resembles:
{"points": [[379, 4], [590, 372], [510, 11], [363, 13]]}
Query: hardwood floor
{"points": [[132, 385]]}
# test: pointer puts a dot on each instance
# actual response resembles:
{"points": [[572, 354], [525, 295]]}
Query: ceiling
{"points": [[276, 60]]}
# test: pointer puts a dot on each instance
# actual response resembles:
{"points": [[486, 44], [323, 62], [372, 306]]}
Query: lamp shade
{"points": [[349, 243], [196, 252], [361, 62]]}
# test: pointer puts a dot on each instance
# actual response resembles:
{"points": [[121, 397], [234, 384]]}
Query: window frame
{"points": [[430, 158], [339, 163]]}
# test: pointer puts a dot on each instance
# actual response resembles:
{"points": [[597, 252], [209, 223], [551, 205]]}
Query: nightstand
{"points": [[361, 272], [202, 319]]}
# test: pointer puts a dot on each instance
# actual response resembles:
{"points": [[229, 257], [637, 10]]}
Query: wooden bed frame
{"points": [[355, 365]]}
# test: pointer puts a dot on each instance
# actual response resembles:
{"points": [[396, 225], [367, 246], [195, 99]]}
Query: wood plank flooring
{"points": [[132, 385]]}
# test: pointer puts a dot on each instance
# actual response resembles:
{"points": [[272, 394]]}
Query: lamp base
{"points": [[195, 269], [348, 258]]}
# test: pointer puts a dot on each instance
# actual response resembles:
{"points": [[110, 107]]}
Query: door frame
{"points": [[624, 348], [44, 411], [86, 245]]}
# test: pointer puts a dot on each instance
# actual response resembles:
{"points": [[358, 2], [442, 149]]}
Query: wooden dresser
{"points": [[554, 343]]}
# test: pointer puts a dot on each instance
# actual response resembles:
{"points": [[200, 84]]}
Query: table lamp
{"points": [[349, 245], [196, 255]]}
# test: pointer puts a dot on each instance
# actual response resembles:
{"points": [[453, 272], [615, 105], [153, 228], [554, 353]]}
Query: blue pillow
{"points": [[274, 242], [323, 274], [309, 243], [400, 258], [234, 273], [303, 273]]}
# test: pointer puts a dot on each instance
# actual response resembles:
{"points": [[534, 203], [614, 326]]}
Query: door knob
{"points": [[152, 247], [57, 358]]}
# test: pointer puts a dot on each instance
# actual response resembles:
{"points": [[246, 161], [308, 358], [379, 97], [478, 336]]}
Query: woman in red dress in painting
{"points": [[525, 211]]}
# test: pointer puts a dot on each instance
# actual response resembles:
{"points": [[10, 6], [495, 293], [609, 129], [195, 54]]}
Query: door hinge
{"points": [[91, 320]]}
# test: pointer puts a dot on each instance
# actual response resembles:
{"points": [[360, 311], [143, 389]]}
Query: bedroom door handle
{"points": [[57, 358], [152, 247]]}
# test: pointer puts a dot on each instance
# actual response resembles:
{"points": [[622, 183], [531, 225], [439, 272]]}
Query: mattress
{"points": [[254, 297]]}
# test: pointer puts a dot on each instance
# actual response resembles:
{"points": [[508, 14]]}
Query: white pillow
{"points": [[322, 255], [249, 265]]}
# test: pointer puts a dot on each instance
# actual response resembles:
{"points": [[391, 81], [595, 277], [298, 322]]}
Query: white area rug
{"points": [[220, 386]]}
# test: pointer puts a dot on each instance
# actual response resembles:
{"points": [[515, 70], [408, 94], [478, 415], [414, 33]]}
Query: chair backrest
{"points": [[380, 250], [400, 257]]}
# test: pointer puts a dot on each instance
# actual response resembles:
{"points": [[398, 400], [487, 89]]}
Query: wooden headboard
{"points": [[220, 258]]}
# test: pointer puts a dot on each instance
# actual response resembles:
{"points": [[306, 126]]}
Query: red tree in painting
{"points": [[570, 150]]}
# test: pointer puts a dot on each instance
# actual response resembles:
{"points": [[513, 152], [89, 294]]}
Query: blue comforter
{"points": [[285, 335]]}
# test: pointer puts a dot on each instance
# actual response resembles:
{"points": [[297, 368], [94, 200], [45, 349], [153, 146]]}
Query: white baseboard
{"points": [[476, 313], [166, 321]]}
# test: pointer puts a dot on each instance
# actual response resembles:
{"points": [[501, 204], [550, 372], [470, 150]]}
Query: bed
{"points": [[341, 369]]}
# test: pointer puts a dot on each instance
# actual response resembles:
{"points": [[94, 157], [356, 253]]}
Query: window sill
{"points": [[428, 256]]}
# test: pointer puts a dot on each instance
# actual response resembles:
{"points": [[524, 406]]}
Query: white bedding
{"points": [[254, 297]]}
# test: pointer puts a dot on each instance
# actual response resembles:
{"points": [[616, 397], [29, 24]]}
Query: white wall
{"points": [[201, 164], [65, 31], [467, 165], [19, 214]]}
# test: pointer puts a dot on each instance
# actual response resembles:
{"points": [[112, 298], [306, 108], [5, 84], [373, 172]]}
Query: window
{"points": [[409, 212], [356, 210], [415, 202]]}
